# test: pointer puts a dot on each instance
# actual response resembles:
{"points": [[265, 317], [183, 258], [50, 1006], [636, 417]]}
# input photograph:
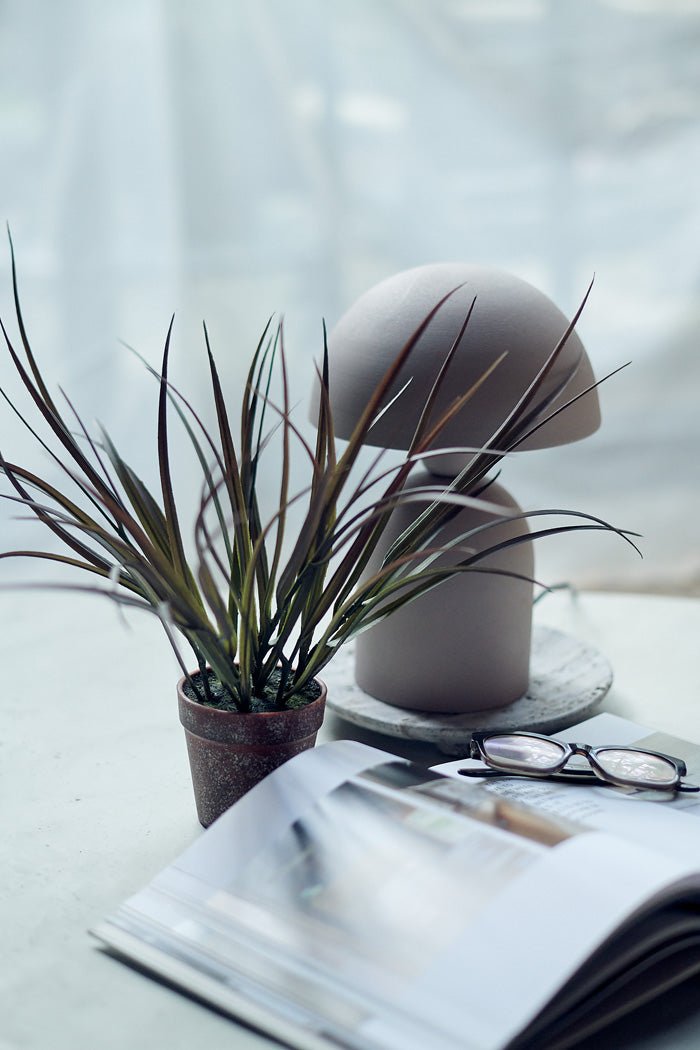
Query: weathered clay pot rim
{"points": [[251, 726]]}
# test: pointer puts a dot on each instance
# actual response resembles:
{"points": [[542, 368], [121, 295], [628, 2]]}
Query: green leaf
{"points": [[175, 547]]}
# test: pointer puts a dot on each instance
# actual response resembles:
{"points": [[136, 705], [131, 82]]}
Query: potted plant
{"points": [[261, 610]]}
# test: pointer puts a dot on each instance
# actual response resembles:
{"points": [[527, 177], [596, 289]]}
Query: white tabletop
{"points": [[96, 799]]}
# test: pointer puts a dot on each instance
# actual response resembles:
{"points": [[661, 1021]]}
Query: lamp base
{"points": [[465, 644], [568, 679]]}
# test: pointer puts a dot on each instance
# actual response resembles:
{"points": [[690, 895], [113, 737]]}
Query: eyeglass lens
{"points": [[635, 765], [524, 753]]}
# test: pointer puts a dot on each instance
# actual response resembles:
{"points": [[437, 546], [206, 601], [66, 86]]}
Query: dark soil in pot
{"points": [[222, 700]]}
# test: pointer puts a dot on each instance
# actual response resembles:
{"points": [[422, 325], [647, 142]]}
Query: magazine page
{"points": [[654, 819], [354, 899]]}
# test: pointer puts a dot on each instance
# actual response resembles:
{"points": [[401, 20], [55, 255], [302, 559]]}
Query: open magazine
{"points": [[355, 900]]}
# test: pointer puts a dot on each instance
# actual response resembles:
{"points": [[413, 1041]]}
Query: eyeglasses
{"points": [[533, 755]]}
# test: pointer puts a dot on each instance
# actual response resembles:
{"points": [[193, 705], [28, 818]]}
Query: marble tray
{"points": [[568, 679]]}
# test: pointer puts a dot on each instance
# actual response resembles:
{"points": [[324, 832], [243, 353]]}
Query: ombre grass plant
{"points": [[263, 604]]}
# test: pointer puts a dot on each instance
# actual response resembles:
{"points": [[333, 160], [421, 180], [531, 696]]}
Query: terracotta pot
{"points": [[230, 752]]}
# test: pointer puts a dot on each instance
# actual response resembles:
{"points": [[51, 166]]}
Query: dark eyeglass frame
{"points": [[595, 773]]}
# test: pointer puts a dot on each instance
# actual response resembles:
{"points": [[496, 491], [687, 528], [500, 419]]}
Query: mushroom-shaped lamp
{"points": [[466, 644]]}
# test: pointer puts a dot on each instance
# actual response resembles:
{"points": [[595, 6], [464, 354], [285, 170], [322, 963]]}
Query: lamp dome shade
{"points": [[509, 315]]}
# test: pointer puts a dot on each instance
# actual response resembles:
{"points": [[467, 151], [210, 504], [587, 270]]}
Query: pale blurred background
{"points": [[231, 158]]}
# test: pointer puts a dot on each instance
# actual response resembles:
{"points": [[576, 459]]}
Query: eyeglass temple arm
{"points": [[564, 774], [568, 774]]}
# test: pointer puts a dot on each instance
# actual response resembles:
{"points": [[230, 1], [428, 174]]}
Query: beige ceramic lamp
{"points": [[466, 645]]}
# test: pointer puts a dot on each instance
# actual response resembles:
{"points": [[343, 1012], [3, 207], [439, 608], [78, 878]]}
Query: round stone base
{"points": [[568, 679]]}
